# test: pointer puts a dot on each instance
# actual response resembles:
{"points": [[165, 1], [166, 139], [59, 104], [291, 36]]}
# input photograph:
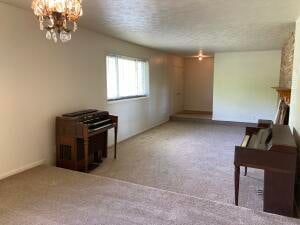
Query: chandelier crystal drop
{"points": [[58, 17]]}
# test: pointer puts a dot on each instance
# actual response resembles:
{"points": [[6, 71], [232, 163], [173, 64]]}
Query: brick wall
{"points": [[287, 59]]}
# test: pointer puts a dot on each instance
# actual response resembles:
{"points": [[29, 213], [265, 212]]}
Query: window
{"points": [[126, 78]]}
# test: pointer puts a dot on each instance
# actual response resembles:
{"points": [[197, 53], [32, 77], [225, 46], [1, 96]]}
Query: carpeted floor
{"points": [[53, 196], [190, 158]]}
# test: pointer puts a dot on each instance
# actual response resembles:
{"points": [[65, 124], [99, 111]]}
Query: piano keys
{"points": [[81, 139]]}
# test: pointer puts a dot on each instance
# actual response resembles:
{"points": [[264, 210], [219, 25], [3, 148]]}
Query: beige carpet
{"points": [[189, 158], [53, 196]]}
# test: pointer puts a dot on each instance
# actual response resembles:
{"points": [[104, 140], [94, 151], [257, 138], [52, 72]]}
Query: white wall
{"points": [[40, 80], [242, 85], [198, 84]]}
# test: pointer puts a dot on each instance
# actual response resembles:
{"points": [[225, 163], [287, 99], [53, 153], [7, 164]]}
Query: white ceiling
{"points": [[185, 26]]}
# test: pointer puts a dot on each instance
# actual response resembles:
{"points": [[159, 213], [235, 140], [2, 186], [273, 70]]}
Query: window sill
{"points": [[115, 101]]}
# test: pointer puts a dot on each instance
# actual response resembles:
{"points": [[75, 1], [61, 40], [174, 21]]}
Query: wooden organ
{"points": [[81, 139]]}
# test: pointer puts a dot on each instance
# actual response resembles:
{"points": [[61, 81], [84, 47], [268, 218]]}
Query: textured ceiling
{"points": [[185, 26]]}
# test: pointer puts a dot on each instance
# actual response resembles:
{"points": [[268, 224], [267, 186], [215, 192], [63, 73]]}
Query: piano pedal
{"points": [[260, 193]]}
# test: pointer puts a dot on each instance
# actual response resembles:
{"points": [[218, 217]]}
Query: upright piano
{"points": [[278, 160], [81, 139]]}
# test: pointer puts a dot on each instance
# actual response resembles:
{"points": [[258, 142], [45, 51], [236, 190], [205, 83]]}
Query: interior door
{"points": [[178, 89]]}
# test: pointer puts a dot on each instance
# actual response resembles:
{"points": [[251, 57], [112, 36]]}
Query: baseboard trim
{"points": [[196, 112], [233, 123], [210, 121], [21, 169], [190, 119]]}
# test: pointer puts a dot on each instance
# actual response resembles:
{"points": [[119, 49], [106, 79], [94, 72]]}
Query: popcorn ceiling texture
{"points": [[287, 60], [186, 26]]}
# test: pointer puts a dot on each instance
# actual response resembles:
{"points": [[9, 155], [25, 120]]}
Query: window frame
{"points": [[147, 79]]}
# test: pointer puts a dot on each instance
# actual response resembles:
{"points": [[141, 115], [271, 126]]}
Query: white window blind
{"points": [[126, 78]]}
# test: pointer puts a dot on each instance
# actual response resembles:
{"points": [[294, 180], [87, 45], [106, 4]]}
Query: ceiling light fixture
{"points": [[200, 57], [58, 17]]}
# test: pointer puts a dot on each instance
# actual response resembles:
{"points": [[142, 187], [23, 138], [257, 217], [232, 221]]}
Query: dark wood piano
{"points": [[278, 160], [81, 139]]}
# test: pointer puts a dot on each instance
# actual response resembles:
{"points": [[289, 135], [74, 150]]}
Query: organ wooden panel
{"points": [[81, 139]]}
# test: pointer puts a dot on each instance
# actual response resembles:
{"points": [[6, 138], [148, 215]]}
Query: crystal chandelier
{"points": [[58, 17]]}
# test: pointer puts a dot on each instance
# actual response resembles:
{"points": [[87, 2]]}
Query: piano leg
{"points": [[104, 144], [86, 155], [97, 157], [116, 140], [237, 184], [246, 171]]}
